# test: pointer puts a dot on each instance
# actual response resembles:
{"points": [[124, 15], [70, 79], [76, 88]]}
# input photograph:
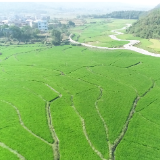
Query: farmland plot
{"points": [[75, 103]]}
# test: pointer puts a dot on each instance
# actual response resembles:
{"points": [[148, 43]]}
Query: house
{"points": [[5, 21], [42, 25], [29, 22]]}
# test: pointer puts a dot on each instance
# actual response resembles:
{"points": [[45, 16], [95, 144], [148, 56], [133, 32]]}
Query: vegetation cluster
{"points": [[148, 26], [117, 15], [56, 35], [23, 34]]}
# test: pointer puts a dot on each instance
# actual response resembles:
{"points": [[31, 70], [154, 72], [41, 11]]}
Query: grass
{"points": [[98, 33], [140, 138], [85, 105], [73, 144], [6, 154], [152, 45], [18, 139]]}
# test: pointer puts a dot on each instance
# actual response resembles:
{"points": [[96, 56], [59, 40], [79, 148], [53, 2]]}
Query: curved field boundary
{"points": [[85, 132], [22, 123], [129, 46], [12, 151], [55, 145], [103, 121]]}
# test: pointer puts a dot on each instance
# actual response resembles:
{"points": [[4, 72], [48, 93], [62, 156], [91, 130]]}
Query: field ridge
{"points": [[125, 128], [103, 121], [85, 132], [22, 123], [12, 151], [55, 144]]}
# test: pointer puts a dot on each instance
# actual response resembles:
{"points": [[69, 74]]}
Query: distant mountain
{"points": [[76, 7], [122, 15], [158, 6], [92, 5], [21, 7], [148, 26]]}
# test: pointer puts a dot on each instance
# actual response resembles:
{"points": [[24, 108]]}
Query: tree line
{"points": [[24, 33], [58, 31], [27, 33], [119, 15]]}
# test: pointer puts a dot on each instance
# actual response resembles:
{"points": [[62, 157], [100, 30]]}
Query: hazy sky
{"points": [[108, 5], [146, 3], [138, 4]]}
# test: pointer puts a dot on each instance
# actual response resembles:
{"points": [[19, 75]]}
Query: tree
{"points": [[56, 37], [26, 33], [15, 32], [35, 32], [4, 30], [50, 26], [71, 24], [34, 25]]}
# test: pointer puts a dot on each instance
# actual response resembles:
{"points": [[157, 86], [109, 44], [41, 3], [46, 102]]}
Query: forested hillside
{"points": [[122, 15], [147, 26]]}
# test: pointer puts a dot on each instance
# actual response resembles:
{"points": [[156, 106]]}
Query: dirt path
{"points": [[22, 124], [55, 145], [125, 127], [85, 132], [103, 121], [124, 130], [129, 46], [12, 151]]}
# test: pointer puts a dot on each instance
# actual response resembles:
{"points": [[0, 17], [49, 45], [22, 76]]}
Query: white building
{"points": [[5, 21], [42, 25], [29, 22]]}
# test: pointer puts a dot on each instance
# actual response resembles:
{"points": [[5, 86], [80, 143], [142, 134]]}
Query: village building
{"points": [[42, 25]]}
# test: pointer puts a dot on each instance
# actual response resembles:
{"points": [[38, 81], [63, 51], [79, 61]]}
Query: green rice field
{"points": [[96, 32], [76, 103], [152, 45]]}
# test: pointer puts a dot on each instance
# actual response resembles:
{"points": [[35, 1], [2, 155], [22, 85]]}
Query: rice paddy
{"points": [[72, 102]]}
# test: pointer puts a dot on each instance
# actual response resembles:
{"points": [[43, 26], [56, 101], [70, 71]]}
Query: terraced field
{"points": [[67, 103]]}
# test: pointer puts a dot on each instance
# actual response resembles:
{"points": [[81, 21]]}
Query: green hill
{"points": [[148, 26]]}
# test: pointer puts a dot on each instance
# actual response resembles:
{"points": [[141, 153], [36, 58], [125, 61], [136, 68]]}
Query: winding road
{"points": [[129, 46]]}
